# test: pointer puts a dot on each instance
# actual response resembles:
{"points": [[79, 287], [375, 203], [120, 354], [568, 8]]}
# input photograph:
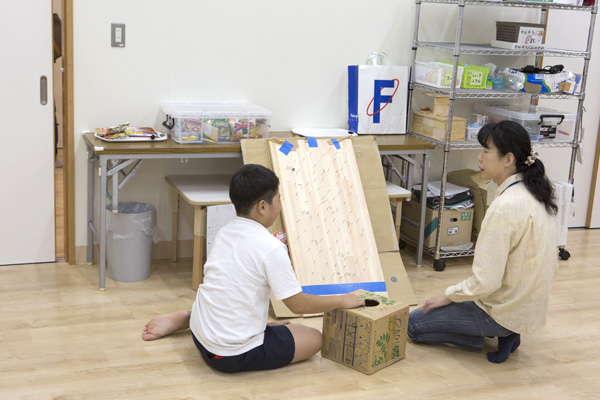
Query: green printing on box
{"points": [[474, 76], [368, 338]]}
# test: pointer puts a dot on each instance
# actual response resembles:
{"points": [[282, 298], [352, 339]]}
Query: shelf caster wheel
{"points": [[402, 244], [439, 265], [564, 254]]}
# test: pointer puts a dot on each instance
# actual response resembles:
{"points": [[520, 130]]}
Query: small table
{"points": [[118, 162], [200, 191]]}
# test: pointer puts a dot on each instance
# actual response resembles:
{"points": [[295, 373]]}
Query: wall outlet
{"points": [[117, 35]]}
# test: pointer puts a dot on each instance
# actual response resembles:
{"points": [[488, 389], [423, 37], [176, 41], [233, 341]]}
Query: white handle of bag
{"points": [[378, 58]]}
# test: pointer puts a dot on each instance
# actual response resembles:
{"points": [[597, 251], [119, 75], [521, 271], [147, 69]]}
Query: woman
{"points": [[515, 259]]}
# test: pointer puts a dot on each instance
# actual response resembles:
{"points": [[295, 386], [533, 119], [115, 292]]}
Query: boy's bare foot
{"points": [[165, 324]]}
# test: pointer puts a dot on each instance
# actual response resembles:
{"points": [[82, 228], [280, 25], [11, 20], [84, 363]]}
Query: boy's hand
{"points": [[351, 300]]}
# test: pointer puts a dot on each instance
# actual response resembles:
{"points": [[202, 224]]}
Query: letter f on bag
{"points": [[379, 98]]}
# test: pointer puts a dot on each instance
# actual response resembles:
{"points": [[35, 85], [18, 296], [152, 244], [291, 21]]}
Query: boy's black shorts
{"points": [[276, 351]]}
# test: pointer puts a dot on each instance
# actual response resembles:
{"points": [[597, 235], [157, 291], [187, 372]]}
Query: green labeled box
{"points": [[455, 229], [368, 338]]}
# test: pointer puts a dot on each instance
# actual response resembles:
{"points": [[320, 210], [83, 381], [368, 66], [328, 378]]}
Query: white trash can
{"points": [[129, 237]]}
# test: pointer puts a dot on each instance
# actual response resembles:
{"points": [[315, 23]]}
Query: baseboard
{"points": [[160, 250]]}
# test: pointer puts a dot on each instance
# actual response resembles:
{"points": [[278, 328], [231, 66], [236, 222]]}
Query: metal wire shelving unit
{"points": [[457, 49]]}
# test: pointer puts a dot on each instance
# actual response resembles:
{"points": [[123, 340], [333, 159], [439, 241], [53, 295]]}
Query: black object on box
{"points": [[509, 31]]}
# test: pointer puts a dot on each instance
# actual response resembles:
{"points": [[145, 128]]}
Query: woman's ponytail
{"points": [[538, 184]]}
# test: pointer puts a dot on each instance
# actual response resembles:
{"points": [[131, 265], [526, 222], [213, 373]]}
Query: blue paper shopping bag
{"points": [[377, 99]]}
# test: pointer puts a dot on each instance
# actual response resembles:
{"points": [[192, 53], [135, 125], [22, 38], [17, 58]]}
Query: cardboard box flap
{"points": [[396, 280], [373, 181], [479, 188]]}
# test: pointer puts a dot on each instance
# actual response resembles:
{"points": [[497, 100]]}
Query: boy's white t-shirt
{"points": [[245, 264]]}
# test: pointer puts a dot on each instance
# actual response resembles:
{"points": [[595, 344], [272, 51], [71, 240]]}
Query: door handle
{"points": [[43, 90]]}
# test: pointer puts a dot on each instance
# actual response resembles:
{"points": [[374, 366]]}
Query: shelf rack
{"points": [[457, 49]]}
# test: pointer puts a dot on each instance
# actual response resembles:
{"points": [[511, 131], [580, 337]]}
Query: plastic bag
{"points": [[132, 217]]}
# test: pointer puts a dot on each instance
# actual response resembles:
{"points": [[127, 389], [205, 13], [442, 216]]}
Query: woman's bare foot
{"points": [[165, 324]]}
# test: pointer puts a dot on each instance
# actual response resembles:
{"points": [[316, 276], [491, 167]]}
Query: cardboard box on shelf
{"points": [[369, 338], [428, 124], [455, 229], [440, 104], [482, 191]]}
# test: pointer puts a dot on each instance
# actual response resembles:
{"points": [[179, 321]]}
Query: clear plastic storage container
{"points": [[215, 122], [541, 123], [437, 74]]}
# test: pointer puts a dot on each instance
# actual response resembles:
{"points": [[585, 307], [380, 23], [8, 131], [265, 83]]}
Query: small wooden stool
{"points": [[397, 194], [200, 191]]}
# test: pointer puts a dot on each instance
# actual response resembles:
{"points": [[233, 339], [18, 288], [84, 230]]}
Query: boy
{"points": [[229, 317]]}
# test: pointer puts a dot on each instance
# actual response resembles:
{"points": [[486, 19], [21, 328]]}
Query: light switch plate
{"points": [[117, 35]]}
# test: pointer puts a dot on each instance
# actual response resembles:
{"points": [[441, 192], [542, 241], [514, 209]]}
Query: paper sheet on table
{"points": [[216, 218], [322, 132], [451, 189]]}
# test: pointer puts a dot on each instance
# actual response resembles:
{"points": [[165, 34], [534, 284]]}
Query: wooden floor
{"points": [[62, 338]]}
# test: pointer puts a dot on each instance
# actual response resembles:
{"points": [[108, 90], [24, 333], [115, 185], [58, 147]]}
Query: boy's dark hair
{"points": [[511, 137], [251, 184]]}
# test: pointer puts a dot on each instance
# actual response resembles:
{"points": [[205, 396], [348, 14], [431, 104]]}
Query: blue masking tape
{"points": [[343, 288], [286, 148], [335, 143], [312, 142]]}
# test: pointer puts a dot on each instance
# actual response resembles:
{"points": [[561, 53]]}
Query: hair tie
{"points": [[531, 158]]}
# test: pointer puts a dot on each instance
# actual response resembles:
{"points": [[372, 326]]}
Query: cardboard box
{"points": [[482, 191], [455, 229], [369, 338], [373, 181], [441, 104], [428, 124]]}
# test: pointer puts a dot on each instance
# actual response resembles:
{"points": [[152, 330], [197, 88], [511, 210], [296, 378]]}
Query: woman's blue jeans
{"points": [[463, 324]]}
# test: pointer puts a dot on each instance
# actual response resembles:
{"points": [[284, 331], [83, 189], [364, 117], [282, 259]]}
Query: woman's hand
{"points": [[435, 302]]}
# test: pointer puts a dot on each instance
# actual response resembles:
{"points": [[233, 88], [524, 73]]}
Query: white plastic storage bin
{"points": [[541, 123], [437, 74], [215, 122]]}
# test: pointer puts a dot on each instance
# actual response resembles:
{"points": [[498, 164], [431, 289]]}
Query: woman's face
{"points": [[491, 165]]}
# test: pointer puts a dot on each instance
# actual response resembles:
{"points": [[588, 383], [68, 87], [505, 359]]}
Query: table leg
{"points": [[115, 185], [199, 245], [103, 187], [398, 206], [174, 235], [423, 200], [90, 207]]}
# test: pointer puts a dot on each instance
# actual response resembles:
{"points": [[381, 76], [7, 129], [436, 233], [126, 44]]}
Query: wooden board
{"points": [[325, 214]]}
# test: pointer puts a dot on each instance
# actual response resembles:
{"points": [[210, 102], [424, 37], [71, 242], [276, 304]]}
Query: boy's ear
{"points": [[261, 206]]}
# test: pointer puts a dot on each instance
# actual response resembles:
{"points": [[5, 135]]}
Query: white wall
{"points": [[289, 57]]}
